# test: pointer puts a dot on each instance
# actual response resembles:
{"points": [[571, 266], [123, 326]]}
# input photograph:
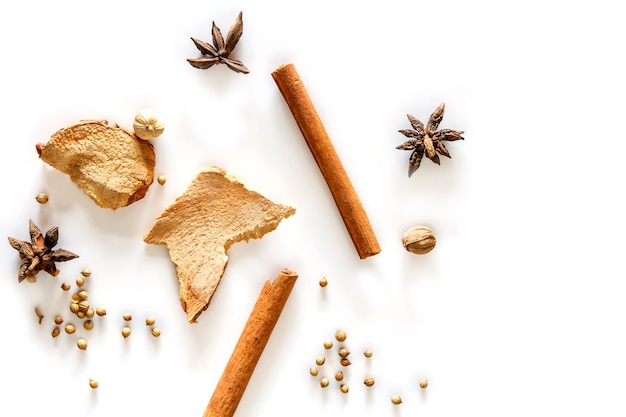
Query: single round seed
{"points": [[367, 353], [58, 320], [313, 371], [344, 388], [150, 321], [343, 352], [93, 383], [75, 298], [82, 344], [83, 305], [340, 336], [101, 311], [89, 313], [423, 383], [86, 272], [80, 314], [324, 382], [369, 381], [395, 399], [80, 281], [41, 198], [125, 331], [55, 332], [320, 360], [66, 286], [328, 344], [156, 332], [323, 282], [161, 179], [345, 362], [88, 324], [127, 317], [339, 376], [83, 295], [69, 329]]}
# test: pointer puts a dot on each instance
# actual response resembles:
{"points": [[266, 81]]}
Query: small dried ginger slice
{"points": [[108, 163], [214, 212]]}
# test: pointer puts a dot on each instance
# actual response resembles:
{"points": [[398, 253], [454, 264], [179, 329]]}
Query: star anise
{"points": [[38, 254], [219, 51], [427, 140]]}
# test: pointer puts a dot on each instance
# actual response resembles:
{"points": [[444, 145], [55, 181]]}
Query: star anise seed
{"points": [[38, 254], [220, 50], [427, 141]]}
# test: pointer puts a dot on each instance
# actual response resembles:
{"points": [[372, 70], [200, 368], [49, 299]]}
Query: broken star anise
{"points": [[427, 140], [38, 254], [219, 51]]}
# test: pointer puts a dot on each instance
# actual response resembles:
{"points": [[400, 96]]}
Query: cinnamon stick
{"points": [[320, 145], [256, 333]]}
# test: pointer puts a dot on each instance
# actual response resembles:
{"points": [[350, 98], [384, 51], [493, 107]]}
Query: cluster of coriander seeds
{"points": [[150, 323], [342, 356]]}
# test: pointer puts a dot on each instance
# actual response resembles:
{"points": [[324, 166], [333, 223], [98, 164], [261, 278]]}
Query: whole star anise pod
{"points": [[427, 140], [38, 254], [219, 51]]}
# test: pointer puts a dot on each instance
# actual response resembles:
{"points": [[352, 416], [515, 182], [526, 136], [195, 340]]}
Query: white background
{"points": [[518, 310]]}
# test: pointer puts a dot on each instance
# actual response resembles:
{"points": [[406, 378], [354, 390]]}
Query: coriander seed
{"points": [[156, 332], [369, 381], [82, 344], [74, 308], [324, 382], [320, 360], [75, 298], [343, 352], [101, 311], [81, 314], [69, 329], [323, 282], [83, 305], [42, 198], [89, 313], [161, 179], [367, 353], [55, 332], [339, 376], [423, 383], [345, 362], [344, 388], [340, 336], [83, 295], [328, 344], [58, 320], [419, 240], [313, 371], [66, 286], [88, 324], [395, 399], [125, 331], [86, 272], [150, 321], [93, 383], [80, 281], [127, 317]]}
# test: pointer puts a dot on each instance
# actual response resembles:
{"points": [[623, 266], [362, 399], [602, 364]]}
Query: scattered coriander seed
{"points": [[101, 311], [367, 353], [89, 313], [39, 314], [127, 317], [344, 388], [345, 362], [86, 272], [424, 383], [88, 324], [313, 371], [323, 282], [93, 383], [395, 399], [156, 332], [80, 281], [343, 352], [83, 295], [125, 331], [81, 314], [55, 332], [74, 308], [41, 198], [324, 382], [150, 321], [161, 179], [58, 320], [320, 360], [66, 286], [69, 329], [328, 344], [339, 376], [369, 381], [82, 344], [340, 336]]}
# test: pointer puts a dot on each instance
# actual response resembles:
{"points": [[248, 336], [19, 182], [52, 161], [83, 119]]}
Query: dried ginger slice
{"points": [[214, 212], [108, 163]]}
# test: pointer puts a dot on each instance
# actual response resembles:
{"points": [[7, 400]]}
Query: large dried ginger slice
{"points": [[109, 164], [214, 212]]}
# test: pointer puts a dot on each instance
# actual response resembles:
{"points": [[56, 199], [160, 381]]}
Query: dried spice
{"points": [[220, 50], [427, 140], [38, 255]]}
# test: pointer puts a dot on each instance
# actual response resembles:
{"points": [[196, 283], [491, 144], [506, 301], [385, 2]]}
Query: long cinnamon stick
{"points": [[320, 145], [255, 335]]}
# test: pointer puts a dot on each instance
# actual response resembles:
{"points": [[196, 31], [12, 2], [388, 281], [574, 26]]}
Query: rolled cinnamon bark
{"points": [[247, 352], [320, 145]]}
